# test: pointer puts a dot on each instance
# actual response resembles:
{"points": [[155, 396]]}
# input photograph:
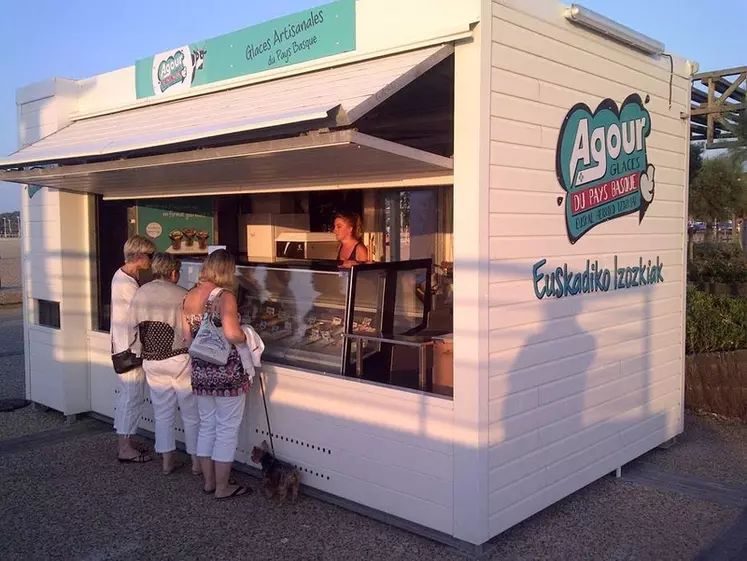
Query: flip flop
{"points": [[141, 458], [236, 493]]}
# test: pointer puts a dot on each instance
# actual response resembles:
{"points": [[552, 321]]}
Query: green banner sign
{"points": [[181, 227], [316, 33]]}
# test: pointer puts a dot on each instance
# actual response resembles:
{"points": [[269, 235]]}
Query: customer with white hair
{"points": [[156, 313], [138, 253]]}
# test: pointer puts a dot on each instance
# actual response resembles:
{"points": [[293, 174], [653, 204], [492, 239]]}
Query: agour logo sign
{"points": [[175, 70], [602, 164]]}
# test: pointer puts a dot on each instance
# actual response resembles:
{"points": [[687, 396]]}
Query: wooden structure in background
{"points": [[717, 98]]}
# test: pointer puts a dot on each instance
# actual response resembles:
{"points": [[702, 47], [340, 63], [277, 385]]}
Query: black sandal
{"points": [[236, 493], [141, 458], [231, 481]]}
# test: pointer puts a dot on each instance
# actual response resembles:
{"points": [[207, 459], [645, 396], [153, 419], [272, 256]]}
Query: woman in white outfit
{"points": [[156, 314], [138, 252], [221, 390]]}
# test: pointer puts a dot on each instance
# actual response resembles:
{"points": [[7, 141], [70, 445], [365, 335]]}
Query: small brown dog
{"points": [[277, 476]]}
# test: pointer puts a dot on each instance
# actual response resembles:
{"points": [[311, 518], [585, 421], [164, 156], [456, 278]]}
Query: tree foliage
{"points": [[717, 263], [696, 159], [718, 191]]}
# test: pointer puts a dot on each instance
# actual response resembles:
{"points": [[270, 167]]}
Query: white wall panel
{"points": [[579, 384]]}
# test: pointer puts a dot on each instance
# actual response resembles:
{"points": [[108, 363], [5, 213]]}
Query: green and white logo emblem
{"points": [[175, 71], [602, 164]]}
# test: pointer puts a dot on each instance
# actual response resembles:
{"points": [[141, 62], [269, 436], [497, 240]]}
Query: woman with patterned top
{"points": [[221, 390], [156, 314]]}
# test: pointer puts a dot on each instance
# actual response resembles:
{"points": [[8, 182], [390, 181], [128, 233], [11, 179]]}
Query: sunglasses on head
{"points": [[150, 255]]}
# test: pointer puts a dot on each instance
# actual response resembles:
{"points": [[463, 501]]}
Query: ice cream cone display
{"points": [[183, 241], [176, 239], [202, 239], [189, 234], [178, 227]]}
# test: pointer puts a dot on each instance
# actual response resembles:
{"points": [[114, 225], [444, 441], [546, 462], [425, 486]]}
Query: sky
{"points": [[79, 38]]}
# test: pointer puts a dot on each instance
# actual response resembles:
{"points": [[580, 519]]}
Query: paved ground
{"points": [[12, 380], [65, 498], [10, 271], [10, 262]]}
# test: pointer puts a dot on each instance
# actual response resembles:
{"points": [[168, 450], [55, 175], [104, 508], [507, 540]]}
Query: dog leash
{"points": [[267, 416]]}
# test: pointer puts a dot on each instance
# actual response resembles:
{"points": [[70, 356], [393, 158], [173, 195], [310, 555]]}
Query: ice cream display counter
{"points": [[303, 310]]}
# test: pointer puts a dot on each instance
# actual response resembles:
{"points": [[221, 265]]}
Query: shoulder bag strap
{"points": [[214, 295]]}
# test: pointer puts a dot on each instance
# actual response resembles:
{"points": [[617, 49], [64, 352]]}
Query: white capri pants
{"points": [[220, 420], [129, 403], [170, 384]]}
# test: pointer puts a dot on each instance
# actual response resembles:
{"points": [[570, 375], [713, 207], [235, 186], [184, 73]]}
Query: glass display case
{"points": [[303, 310]]}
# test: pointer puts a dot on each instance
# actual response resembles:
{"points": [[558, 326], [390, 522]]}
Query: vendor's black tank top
{"points": [[351, 257]]}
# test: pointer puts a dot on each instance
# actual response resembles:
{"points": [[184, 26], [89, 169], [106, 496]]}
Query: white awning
{"points": [[318, 161], [335, 97]]}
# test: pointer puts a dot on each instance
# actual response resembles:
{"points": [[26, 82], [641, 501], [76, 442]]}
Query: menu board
{"points": [[180, 227]]}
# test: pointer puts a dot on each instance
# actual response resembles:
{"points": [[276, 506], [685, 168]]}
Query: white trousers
{"points": [[170, 384], [220, 419], [129, 403]]}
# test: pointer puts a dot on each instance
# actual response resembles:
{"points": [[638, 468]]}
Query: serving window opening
{"points": [[386, 321]]}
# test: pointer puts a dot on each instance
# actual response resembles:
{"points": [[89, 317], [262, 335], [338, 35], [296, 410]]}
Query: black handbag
{"points": [[125, 361]]}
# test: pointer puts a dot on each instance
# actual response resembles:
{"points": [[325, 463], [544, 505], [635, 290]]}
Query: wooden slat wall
{"points": [[579, 385]]}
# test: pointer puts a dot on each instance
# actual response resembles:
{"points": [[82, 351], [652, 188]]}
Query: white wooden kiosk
{"points": [[567, 153]]}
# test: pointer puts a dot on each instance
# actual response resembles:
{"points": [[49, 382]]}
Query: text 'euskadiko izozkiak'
{"points": [[560, 282]]}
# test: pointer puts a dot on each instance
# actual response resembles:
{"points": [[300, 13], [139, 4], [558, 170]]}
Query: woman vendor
{"points": [[348, 232]]}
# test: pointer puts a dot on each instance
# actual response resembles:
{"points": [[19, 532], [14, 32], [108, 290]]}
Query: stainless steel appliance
{"points": [[306, 245]]}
